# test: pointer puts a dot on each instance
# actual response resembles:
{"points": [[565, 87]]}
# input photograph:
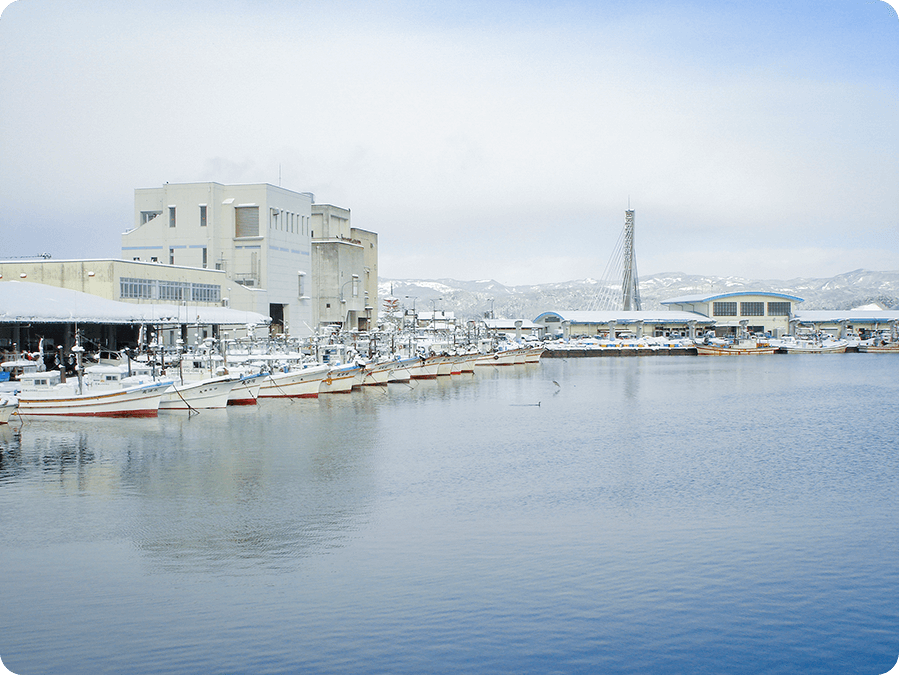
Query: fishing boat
{"points": [[45, 394], [800, 346], [8, 406], [301, 382], [741, 347], [882, 348], [378, 372], [533, 354], [340, 379], [246, 389], [503, 357], [206, 394], [402, 370]]}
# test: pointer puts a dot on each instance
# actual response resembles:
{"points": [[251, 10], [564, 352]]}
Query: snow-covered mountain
{"points": [[469, 299]]}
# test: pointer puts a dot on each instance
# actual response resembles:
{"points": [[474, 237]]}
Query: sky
{"points": [[480, 140]]}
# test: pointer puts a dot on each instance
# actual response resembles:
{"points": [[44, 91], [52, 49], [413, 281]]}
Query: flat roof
{"points": [[24, 302]]}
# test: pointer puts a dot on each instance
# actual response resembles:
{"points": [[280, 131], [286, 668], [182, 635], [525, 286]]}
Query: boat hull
{"points": [[203, 394], [142, 401], [246, 391], [880, 349], [339, 380], [6, 410], [303, 383], [714, 350]]}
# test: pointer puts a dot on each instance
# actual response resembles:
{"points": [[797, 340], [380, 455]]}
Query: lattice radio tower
{"points": [[619, 288]]}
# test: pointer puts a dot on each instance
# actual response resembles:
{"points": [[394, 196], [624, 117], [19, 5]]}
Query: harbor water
{"points": [[620, 515]]}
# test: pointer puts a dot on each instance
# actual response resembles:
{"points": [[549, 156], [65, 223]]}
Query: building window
{"points": [[724, 309], [203, 252], [171, 256], [171, 290], [171, 216], [135, 288], [203, 217], [752, 309], [246, 221], [147, 216], [779, 309]]}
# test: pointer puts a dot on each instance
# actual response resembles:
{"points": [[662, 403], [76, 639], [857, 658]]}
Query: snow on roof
{"points": [[662, 316], [511, 323], [849, 315], [691, 299], [22, 301]]}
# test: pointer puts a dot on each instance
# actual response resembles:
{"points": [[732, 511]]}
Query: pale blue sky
{"points": [[499, 139]]}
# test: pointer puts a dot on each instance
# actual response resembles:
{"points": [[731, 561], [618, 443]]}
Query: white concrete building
{"points": [[259, 235], [345, 269], [754, 311]]}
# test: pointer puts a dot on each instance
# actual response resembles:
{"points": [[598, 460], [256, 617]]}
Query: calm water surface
{"points": [[654, 514]]}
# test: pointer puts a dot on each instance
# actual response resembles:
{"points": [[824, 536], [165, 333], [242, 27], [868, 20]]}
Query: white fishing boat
{"points": [[402, 370], [246, 389], [45, 394], [340, 379], [880, 348], [8, 406], [502, 357], [378, 372], [792, 345], [205, 394], [426, 369], [294, 383], [533, 354], [444, 364]]}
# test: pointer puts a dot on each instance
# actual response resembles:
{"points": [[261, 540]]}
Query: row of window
{"points": [[168, 291], [279, 219], [246, 220], [752, 309]]}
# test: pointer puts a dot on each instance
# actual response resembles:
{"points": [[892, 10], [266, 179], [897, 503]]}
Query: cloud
{"points": [[510, 137]]}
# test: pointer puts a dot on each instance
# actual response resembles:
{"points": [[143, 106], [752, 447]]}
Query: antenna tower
{"points": [[619, 286], [631, 296]]}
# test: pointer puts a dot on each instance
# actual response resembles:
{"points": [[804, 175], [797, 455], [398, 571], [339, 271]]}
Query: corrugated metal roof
{"points": [[22, 302]]}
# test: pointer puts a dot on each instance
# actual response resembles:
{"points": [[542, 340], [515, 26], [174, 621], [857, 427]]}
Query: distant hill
{"points": [[470, 299]]}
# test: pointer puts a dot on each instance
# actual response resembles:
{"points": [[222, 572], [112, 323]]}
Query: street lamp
{"points": [[353, 277]]}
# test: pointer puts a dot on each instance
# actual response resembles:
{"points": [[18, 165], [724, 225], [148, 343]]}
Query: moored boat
{"points": [[206, 394], [295, 383], [883, 348], [8, 406], [246, 389], [340, 379], [741, 347], [44, 394], [794, 346]]}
